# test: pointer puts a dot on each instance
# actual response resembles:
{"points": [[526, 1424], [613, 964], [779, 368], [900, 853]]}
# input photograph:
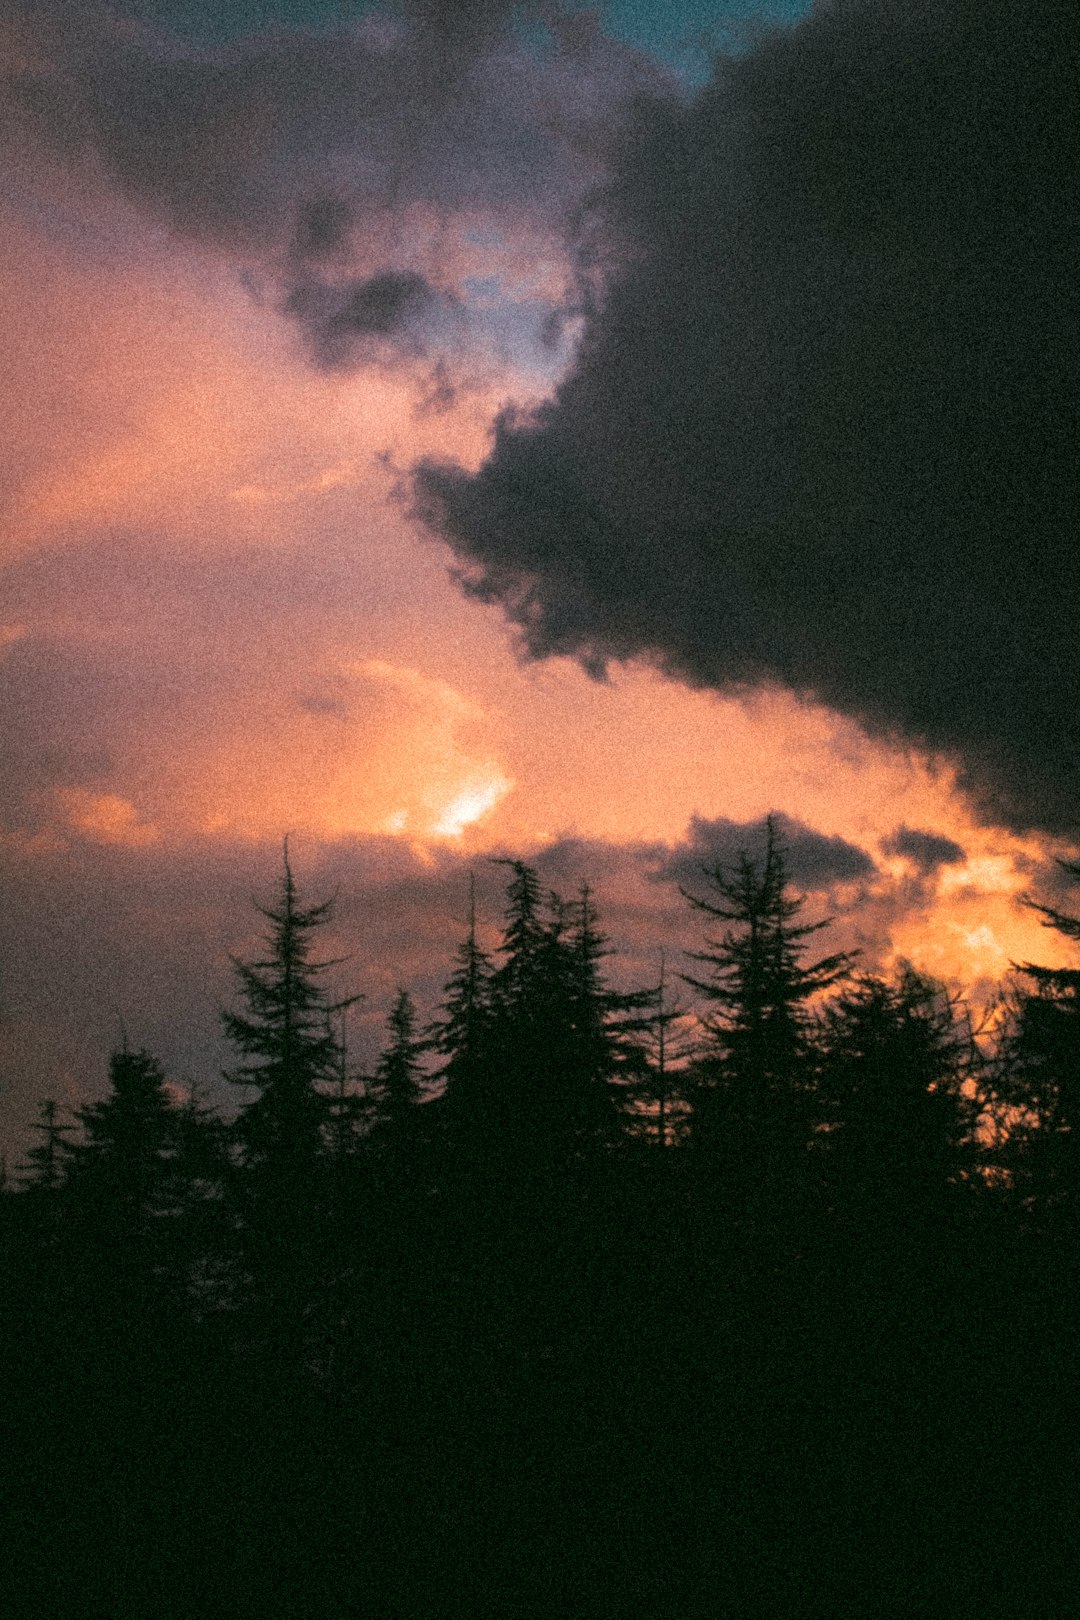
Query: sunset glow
{"points": [[539, 808], [224, 621]]}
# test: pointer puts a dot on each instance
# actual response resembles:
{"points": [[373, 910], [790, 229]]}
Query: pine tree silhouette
{"points": [[291, 1056], [896, 1058], [45, 1162], [126, 1166], [605, 1027], [755, 1080], [498, 1366], [284, 1190], [398, 1082], [520, 1035], [1038, 1081], [667, 1043], [350, 1103], [463, 1036], [561, 1040]]}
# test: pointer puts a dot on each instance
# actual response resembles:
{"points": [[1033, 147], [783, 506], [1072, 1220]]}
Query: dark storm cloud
{"points": [[223, 141], [813, 860], [342, 322], [928, 850], [466, 24], [344, 167], [824, 430]]}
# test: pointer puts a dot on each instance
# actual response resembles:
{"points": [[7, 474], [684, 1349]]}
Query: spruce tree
{"points": [[462, 1035], [290, 1055], [896, 1059], [42, 1205], [516, 982], [45, 1162], [666, 1044], [350, 1104], [755, 1079], [140, 1195], [126, 1166], [605, 1052], [397, 1086], [1037, 1080], [285, 1189], [561, 1039], [520, 1032]]}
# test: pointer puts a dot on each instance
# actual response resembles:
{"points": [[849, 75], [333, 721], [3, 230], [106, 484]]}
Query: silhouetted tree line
{"points": [[573, 1305]]}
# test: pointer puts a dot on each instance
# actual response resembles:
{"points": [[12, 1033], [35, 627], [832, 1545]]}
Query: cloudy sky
{"points": [[437, 430]]}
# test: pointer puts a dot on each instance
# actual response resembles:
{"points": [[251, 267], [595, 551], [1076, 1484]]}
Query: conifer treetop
{"points": [[761, 961]]}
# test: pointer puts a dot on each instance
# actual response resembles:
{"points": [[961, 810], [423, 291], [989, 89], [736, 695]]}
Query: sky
{"points": [[451, 431]]}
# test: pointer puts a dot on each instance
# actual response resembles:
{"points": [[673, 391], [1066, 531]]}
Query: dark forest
{"points": [[581, 1303]]}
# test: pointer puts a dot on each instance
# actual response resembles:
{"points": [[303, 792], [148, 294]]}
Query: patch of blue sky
{"points": [[484, 236], [679, 31], [484, 290], [520, 334], [685, 32]]}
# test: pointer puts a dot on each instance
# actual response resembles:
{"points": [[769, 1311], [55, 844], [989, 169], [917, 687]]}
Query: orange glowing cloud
{"points": [[257, 640], [150, 388], [368, 747], [108, 818]]}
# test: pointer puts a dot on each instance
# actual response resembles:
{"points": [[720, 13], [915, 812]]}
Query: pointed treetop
{"points": [[44, 1162], [765, 954], [289, 1051]]}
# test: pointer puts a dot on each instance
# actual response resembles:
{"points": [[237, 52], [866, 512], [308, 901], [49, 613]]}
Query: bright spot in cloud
{"points": [[470, 804], [985, 874], [985, 949]]}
